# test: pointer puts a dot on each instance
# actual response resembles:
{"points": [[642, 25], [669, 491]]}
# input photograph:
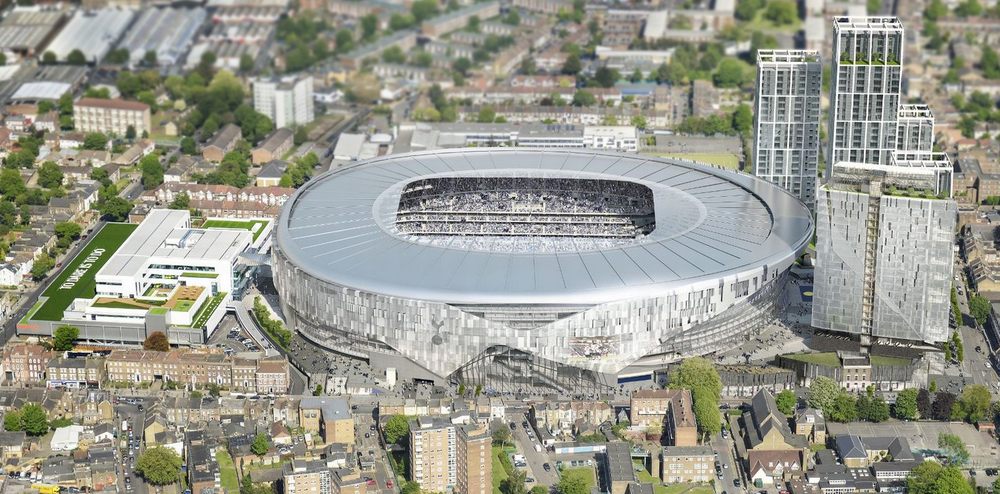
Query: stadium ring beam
{"points": [[503, 267]]}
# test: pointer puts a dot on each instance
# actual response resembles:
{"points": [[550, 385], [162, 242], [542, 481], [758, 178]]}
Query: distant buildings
{"points": [[224, 141], [287, 101], [786, 120], [274, 146], [458, 19], [196, 368], [446, 456], [111, 116]]}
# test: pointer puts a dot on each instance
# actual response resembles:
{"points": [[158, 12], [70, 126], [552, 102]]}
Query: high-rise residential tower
{"points": [[865, 89], [287, 101], [786, 120]]}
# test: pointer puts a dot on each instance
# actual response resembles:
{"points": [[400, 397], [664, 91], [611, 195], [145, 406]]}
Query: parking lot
{"points": [[233, 338], [923, 436]]}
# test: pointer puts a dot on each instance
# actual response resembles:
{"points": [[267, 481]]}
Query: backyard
{"points": [[227, 470], [254, 226], [60, 294]]}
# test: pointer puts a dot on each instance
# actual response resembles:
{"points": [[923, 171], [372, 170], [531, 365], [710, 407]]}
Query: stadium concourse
{"points": [[524, 268]]}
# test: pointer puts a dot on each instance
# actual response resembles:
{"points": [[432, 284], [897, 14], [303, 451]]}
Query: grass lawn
{"points": [[587, 473], [250, 225], [227, 470], [199, 275], [206, 310], [58, 299], [116, 305], [683, 489], [499, 474], [726, 160]]}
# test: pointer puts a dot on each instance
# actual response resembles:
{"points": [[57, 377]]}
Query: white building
{"points": [[287, 101], [66, 438], [166, 268], [613, 137], [786, 120]]}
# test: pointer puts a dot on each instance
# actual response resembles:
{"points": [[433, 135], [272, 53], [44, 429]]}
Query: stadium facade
{"points": [[514, 268]]}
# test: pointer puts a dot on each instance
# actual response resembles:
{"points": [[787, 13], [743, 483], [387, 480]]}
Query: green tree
{"points": [[63, 338], [393, 54], [843, 409], [49, 175], [152, 171], [746, 10], [572, 65], [639, 122], [584, 98], [930, 477], [246, 63], [989, 63], [343, 41], [731, 72], [12, 421], [486, 115], [905, 407], [66, 233], [822, 392], [149, 58], [935, 10], [34, 420], [954, 448], [782, 12], [605, 77], [369, 26], [159, 466], [117, 56], [181, 201], [974, 403], [156, 341], [95, 141], [398, 22], [538, 490], [872, 408], [49, 58], [786, 401], [115, 208], [188, 146], [76, 57], [260, 444], [743, 119], [980, 308], [424, 9], [573, 484], [41, 267], [472, 25], [701, 377], [969, 8], [397, 429], [19, 159], [514, 483]]}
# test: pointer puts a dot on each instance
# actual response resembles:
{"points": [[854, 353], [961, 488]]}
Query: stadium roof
{"points": [[340, 228]]}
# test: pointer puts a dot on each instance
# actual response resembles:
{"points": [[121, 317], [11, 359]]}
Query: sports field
{"points": [[82, 269], [253, 226]]}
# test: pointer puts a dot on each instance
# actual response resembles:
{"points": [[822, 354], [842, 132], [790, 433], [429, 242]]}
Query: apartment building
{"points": [[433, 454], [276, 145], [458, 19], [786, 120], [330, 418], [307, 477], [474, 468], [687, 464], [111, 116], [74, 373], [287, 101], [24, 363], [865, 89], [915, 128], [670, 410], [224, 141], [198, 368]]}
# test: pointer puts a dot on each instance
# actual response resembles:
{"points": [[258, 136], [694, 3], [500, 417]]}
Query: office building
{"points": [[111, 116], [865, 89], [474, 469], [786, 120], [884, 249], [287, 101]]}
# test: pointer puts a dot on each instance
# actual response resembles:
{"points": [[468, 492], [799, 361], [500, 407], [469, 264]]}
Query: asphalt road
{"points": [[723, 448], [535, 459], [136, 418], [363, 424]]}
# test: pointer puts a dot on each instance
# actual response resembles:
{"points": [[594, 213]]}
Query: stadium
{"points": [[516, 268]]}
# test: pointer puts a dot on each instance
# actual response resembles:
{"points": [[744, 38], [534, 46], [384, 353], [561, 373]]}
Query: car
{"points": [[371, 427], [979, 349], [725, 433], [388, 483], [529, 479], [546, 467], [718, 475], [972, 473], [736, 482], [725, 465], [139, 407], [369, 481], [371, 452]]}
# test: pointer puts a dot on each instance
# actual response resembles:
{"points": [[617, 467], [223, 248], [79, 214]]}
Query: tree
{"points": [[746, 10], [872, 408], [246, 63], [930, 477], [786, 401], [905, 407], [538, 490], [472, 25], [95, 141], [318, 391], [954, 448], [782, 12], [260, 444], [188, 146], [512, 18], [935, 10], [980, 308], [67, 232], [19, 159], [12, 421], [924, 403], [424, 9], [49, 58], [606, 77], [731, 73], [115, 209], [701, 377], [461, 65], [181, 201], [974, 404], [969, 8], [486, 115], [369, 26], [989, 63], [156, 341], [343, 41], [822, 392], [584, 98], [76, 57], [572, 65], [393, 54], [49, 175], [572, 484], [63, 338], [149, 58], [398, 22], [33, 419], [41, 267], [743, 119], [159, 466], [117, 56], [943, 404], [843, 408], [152, 171], [397, 429]]}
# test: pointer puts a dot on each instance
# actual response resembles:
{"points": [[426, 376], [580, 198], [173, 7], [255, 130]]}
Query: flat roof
{"points": [[91, 32], [161, 234], [340, 228]]}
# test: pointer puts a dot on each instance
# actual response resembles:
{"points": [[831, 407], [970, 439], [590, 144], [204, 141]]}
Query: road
{"points": [[136, 418], [535, 459], [364, 425], [723, 448]]}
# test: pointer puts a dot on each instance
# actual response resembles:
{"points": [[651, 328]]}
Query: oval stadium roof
{"points": [[710, 223]]}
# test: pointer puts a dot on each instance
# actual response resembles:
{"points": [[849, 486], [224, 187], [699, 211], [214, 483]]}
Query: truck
{"points": [[124, 425]]}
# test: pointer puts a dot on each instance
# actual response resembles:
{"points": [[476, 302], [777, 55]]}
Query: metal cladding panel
{"points": [[548, 276], [574, 271]]}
